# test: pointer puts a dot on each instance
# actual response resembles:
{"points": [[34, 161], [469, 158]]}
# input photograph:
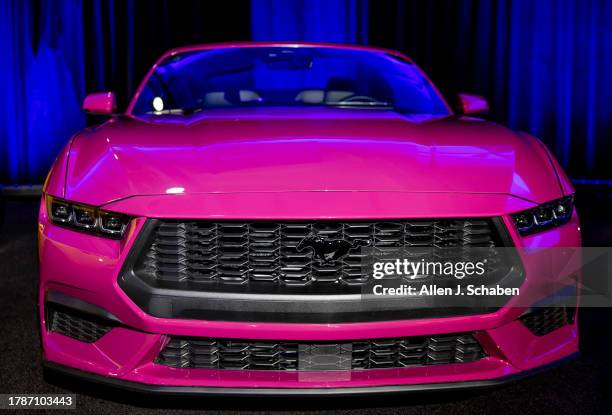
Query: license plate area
{"points": [[325, 356]]}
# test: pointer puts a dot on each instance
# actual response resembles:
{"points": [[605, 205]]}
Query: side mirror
{"points": [[472, 104], [100, 103]]}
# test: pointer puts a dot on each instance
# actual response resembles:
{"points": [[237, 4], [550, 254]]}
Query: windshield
{"points": [[286, 76]]}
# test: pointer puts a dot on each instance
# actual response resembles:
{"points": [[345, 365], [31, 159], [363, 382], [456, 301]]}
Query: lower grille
{"points": [[545, 320], [206, 353], [79, 326]]}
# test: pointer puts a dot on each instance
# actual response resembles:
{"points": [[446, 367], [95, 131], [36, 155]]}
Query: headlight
{"points": [[86, 218], [545, 216]]}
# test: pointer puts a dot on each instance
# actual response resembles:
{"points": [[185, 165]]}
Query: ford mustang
{"points": [[212, 237]]}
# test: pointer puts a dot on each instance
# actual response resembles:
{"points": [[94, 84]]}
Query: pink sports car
{"points": [[211, 238]]}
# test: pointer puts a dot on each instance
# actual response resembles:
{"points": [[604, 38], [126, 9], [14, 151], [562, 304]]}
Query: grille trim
{"points": [[227, 354]]}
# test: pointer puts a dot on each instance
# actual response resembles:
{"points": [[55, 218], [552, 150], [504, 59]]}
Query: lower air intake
{"points": [[79, 326], [205, 353], [544, 320]]}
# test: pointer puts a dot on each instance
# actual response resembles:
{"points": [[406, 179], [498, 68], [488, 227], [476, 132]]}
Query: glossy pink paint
{"points": [[283, 163], [473, 104], [283, 150], [103, 103], [128, 356]]}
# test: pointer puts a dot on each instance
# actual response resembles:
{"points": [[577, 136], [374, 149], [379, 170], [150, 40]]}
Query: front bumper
{"points": [[285, 392], [87, 268]]}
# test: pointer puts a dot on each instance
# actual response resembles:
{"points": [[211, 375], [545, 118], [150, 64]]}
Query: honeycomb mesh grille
{"points": [[76, 325], [267, 252], [204, 353], [542, 321]]}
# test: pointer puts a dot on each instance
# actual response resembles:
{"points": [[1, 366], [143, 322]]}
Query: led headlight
{"points": [[86, 218], [547, 215]]}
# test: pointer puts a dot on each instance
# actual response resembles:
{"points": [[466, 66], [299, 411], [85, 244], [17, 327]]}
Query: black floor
{"points": [[582, 386]]}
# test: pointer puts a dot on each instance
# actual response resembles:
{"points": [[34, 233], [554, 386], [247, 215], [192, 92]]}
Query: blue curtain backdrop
{"points": [[42, 83], [546, 65], [54, 51], [341, 21]]}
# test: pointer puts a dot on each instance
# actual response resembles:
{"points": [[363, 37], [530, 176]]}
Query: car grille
{"points": [[206, 353], [240, 253], [79, 326], [544, 320]]}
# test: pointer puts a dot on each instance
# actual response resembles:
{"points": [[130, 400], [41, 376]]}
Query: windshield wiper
{"points": [[360, 104], [177, 111]]}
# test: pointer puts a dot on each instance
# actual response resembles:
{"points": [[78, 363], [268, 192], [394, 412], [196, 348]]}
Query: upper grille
{"points": [[243, 252], [206, 353]]}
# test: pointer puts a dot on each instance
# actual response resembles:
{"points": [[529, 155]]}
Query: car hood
{"points": [[305, 150]]}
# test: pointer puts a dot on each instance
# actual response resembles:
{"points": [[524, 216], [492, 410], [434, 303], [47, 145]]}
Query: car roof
{"points": [[226, 45]]}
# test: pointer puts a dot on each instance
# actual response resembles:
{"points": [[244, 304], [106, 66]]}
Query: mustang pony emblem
{"points": [[328, 250]]}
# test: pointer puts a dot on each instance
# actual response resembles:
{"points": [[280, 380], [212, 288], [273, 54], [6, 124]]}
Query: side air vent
{"points": [[74, 324], [545, 320]]}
